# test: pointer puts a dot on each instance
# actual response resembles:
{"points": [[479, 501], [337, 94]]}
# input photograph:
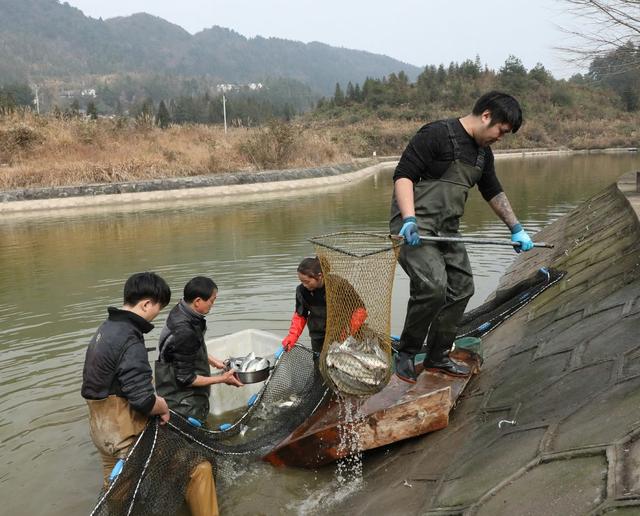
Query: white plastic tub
{"points": [[263, 344]]}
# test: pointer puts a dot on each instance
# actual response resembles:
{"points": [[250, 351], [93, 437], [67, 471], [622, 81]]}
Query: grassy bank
{"points": [[48, 151]]}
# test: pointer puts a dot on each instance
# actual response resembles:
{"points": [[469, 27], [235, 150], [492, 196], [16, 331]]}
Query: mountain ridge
{"points": [[44, 39]]}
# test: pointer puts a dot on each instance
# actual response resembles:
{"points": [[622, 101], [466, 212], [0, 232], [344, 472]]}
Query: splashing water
{"points": [[349, 468], [349, 473]]}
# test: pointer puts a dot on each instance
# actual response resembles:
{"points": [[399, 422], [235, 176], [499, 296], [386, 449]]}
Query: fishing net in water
{"points": [[155, 475], [358, 270]]}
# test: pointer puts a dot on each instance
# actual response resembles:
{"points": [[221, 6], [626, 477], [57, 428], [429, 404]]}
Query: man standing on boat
{"points": [[431, 184]]}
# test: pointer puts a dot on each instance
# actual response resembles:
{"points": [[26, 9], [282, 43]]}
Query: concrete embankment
{"points": [[563, 376], [230, 187]]}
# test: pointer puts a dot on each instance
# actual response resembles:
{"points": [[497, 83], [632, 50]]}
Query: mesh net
{"points": [[358, 270], [506, 302], [153, 480]]}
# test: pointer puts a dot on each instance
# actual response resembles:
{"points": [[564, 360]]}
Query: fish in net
{"points": [[358, 367], [358, 270]]}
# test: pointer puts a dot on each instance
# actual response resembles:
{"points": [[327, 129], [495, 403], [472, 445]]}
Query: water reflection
{"points": [[59, 272]]}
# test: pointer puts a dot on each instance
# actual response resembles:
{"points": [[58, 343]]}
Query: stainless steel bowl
{"points": [[253, 376]]}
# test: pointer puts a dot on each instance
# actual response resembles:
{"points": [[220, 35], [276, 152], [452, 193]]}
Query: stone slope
{"points": [[565, 369]]}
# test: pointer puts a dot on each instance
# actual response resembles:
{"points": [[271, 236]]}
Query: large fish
{"points": [[359, 367], [249, 364]]}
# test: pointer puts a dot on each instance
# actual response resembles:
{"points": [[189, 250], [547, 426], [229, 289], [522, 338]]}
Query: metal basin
{"points": [[247, 377], [253, 376]]}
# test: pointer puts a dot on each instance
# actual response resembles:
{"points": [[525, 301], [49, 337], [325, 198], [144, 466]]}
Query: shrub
{"points": [[17, 139], [561, 97], [271, 147]]}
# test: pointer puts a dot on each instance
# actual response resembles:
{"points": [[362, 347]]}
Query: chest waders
{"points": [[186, 401], [441, 281]]}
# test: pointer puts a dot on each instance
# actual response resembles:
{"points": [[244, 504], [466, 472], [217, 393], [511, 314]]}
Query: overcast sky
{"points": [[419, 32]]}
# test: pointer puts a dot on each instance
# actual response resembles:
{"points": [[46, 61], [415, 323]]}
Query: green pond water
{"points": [[59, 272]]}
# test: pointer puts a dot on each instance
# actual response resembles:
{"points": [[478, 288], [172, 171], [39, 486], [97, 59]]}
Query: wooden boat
{"points": [[401, 410]]}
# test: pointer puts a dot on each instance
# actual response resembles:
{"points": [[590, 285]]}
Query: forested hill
{"points": [[43, 39]]}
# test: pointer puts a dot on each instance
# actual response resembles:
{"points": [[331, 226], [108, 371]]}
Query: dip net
{"points": [[358, 270]]}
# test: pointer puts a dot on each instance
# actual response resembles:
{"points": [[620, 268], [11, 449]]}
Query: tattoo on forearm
{"points": [[502, 208]]}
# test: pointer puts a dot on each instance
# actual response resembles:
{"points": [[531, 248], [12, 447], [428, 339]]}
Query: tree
{"points": [[162, 116], [7, 102], [357, 93], [620, 71], [338, 96], [428, 86], [146, 110], [513, 76], [92, 111], [21, 93], [74, 108], [470, 69], [540, 74], [351, 92], [602, 26]]}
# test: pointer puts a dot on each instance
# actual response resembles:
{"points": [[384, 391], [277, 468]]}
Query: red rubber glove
{"points": [[358, 317], [295, 330]]}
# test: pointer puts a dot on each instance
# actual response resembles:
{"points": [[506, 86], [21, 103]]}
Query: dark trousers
{"points": [[441, 284]]}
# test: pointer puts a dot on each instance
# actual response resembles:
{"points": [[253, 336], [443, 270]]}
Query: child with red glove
{"points": [[311, 306]]}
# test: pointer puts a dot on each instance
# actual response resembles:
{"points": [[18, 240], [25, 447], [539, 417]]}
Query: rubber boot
{"points": [[404, 367], [438, 360], [201, 491]]}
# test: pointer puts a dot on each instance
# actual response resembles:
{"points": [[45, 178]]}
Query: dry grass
{"points": [[45, 151]]}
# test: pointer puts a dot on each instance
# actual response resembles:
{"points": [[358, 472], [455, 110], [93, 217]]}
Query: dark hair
{"points": [[146, 285], [504, 109], [201, 287], [310, 267]]}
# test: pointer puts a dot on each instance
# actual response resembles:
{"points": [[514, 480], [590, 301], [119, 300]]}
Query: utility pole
{"points": [[224, 112], [37, 99]]}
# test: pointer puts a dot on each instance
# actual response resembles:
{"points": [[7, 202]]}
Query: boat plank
{"points": [[400, 411]]}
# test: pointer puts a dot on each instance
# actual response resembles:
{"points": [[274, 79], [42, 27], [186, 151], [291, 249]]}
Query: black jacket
{"points": [[182, 344], [182, 356], [312, 305], [116, 361], [430, 152]]}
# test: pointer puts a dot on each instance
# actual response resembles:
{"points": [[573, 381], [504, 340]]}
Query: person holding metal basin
{"points": [[439, 166], [183, 368]]}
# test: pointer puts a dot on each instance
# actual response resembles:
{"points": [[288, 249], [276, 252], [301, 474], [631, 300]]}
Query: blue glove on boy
{"points": [[409, 231], [519, 235]]}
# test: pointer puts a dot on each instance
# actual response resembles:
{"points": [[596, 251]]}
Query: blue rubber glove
{"points": [[520, 235], [409, 231]]}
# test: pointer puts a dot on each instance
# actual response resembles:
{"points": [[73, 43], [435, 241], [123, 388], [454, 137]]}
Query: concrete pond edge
{"points": [[228, 187]]}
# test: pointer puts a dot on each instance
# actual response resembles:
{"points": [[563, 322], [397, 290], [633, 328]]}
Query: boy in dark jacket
{"points": [[117, 378], [183, 374]]}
